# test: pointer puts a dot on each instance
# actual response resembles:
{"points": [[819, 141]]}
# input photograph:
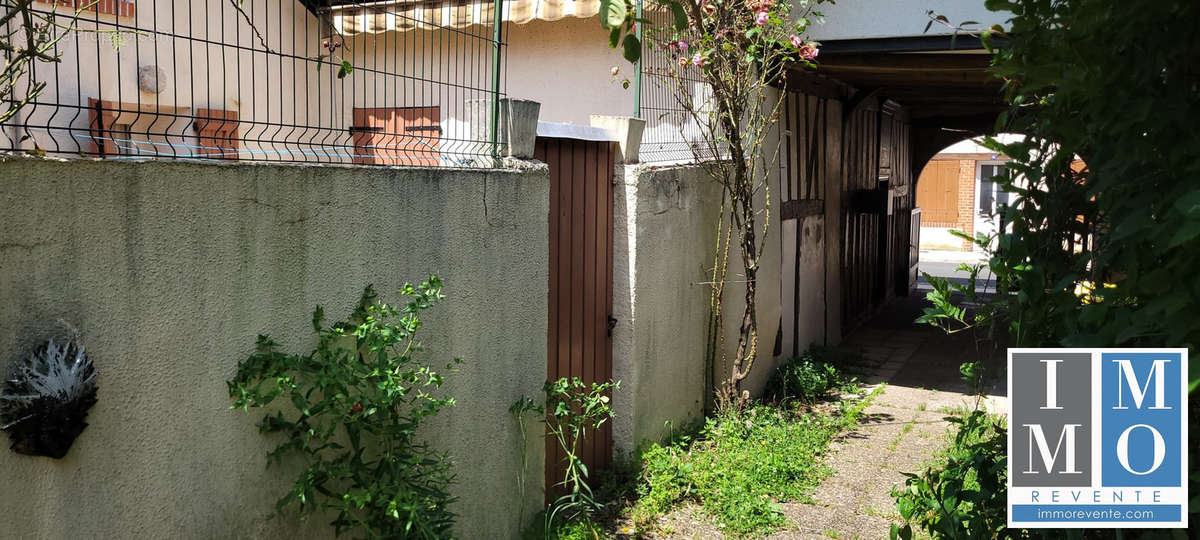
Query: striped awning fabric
{"points": [[404, 15]]}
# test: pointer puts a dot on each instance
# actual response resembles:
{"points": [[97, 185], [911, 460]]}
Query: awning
{"points": [[403, 15]]}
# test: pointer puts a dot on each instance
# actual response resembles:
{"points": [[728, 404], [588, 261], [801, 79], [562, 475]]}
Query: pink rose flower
{"points": [[796, 41], [683, 46], [809, 51], [699, 60], [761, 18]]}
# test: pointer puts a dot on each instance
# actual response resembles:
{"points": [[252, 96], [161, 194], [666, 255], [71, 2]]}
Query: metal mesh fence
{"points": [[312, 81], [671, 135]]}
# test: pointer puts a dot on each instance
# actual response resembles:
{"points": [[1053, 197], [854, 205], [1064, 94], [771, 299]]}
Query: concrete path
{"points": [[902, 430]]}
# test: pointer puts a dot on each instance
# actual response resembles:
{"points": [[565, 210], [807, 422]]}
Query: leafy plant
{"points": [[809, 378], [964, 497], [357, 404], [1099, 254], [572, 409], [45, 400]]}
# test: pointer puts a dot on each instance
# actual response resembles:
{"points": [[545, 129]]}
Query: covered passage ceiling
{"points": [[943, 84], [929, 85]]}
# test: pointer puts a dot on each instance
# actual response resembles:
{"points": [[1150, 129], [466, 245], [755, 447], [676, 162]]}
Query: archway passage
{"points": [[938, 91], [956, 192]]}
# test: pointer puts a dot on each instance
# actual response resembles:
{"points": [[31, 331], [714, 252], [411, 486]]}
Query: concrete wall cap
{"points": [[573, 131]]}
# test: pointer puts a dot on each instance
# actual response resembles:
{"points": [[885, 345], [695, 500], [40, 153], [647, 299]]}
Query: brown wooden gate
{"points": [[863, 218], [876, 210], [579, 343]]}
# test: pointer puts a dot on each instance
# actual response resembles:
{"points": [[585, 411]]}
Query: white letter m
{"points": [[1048, 457]]}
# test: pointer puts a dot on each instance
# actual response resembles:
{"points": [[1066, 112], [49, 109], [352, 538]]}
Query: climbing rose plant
{"points": [[741, 50]]}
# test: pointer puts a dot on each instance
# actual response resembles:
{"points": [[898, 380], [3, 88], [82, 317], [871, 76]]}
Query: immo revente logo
{"points": [[1097, 438]]}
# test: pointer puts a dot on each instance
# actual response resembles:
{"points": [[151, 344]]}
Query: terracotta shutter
{"points": [[217, 132], [397, 136], [937, 193], [120, 8], [101, 117]]}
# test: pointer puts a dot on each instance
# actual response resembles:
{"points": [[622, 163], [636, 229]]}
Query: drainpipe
{"points": [[496, 51], [637, 73]]}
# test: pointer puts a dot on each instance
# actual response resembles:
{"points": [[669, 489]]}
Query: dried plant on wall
{"points": [[45, 399]]}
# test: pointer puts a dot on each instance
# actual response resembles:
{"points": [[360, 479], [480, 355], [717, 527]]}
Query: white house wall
{"points": [[856, 19], [262, 87]]}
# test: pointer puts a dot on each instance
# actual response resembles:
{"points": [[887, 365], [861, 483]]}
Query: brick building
{"points": [[954, 192]]}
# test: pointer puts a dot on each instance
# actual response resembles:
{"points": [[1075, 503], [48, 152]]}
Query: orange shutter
{"points": [[937, 193], [120, 8], [397, 136], [101, 117], [217, 131]]}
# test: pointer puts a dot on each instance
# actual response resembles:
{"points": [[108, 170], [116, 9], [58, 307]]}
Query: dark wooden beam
{"points": [[858, 99], [796, 209], [909, 62], [901, 44], [807, 81]]}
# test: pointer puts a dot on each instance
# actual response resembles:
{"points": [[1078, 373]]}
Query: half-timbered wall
{"points": [[809, 165]]}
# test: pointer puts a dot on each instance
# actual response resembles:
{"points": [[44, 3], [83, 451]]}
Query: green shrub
{"points": [[964, 496], [357, 403], [811, 377]]}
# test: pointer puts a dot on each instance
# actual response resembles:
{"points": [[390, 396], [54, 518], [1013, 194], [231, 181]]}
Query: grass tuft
{"points": [[744, 463]]}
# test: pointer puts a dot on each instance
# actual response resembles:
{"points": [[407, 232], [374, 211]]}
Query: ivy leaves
{"points": [[621, 19]]}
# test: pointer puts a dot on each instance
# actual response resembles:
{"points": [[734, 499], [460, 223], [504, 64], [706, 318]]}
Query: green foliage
{"points": [[619, 17], [571, 410], [742, 464], [965, 496], [350, 411], [1115, 84], [811, 377], [1126, 102], [574, 408], [579, 528]]}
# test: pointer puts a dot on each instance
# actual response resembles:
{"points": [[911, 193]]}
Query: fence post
{"points": [[637, 73], [497, 18]]}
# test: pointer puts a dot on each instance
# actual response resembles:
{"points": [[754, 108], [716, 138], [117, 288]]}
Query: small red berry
{"points": [[357, 408]]}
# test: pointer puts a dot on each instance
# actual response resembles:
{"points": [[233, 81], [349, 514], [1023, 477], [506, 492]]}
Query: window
{"points": [[991, 196]]}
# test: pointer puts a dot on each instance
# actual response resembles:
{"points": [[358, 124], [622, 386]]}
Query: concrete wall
{"points": [[665, 230], [169, 270], [853, 19], [665, 222]]}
